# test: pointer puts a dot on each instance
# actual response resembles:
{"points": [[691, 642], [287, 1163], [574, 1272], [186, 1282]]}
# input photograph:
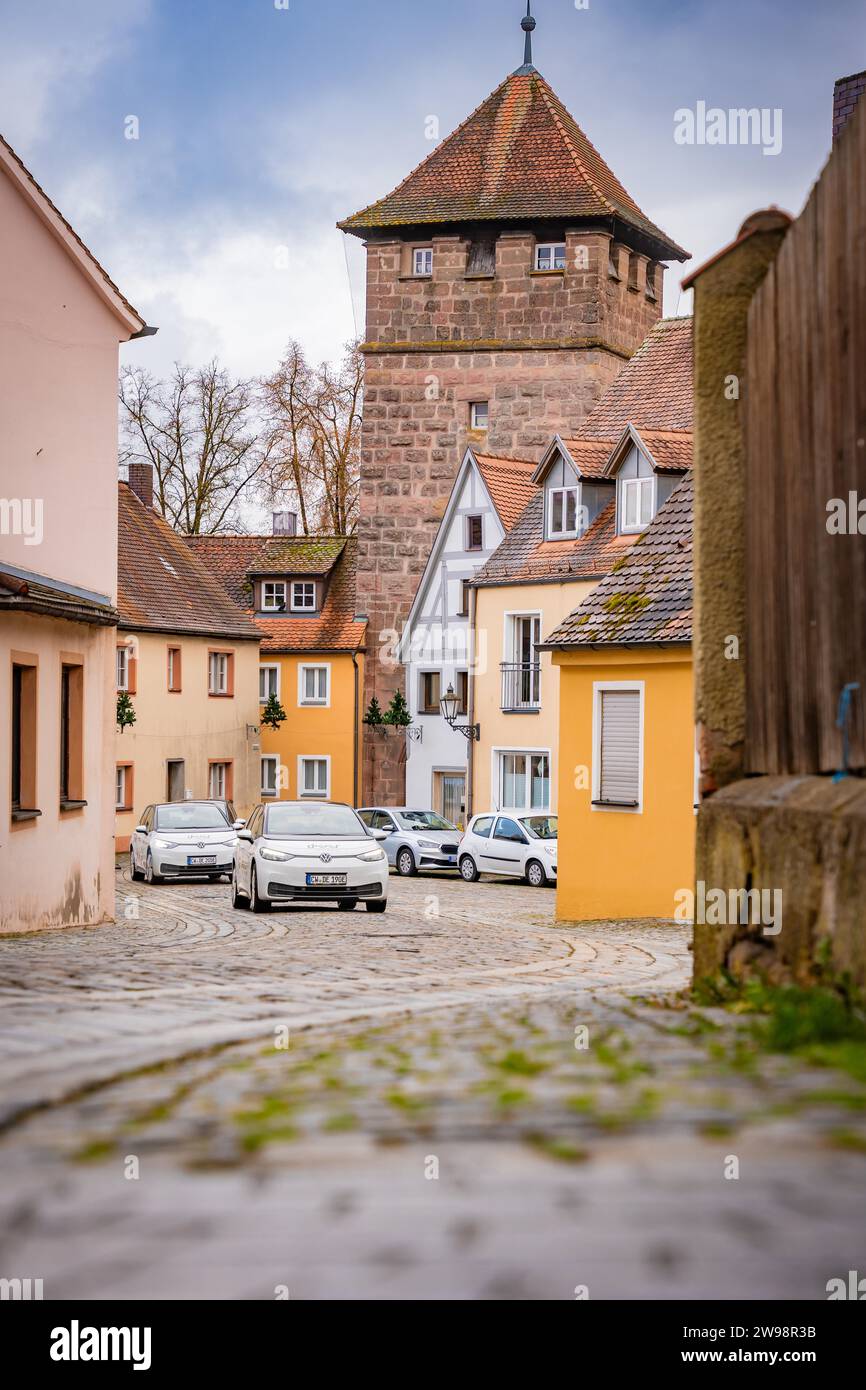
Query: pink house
{"points": [[61, 322]]}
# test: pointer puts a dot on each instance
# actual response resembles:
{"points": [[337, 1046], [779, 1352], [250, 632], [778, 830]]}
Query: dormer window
{"points": [[274, 596], [636, 494], [550, 255], [303, 596], [562, 512], [422, 260]]}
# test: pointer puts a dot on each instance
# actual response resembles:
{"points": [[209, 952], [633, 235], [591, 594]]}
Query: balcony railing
{"points": [[521, 685]]}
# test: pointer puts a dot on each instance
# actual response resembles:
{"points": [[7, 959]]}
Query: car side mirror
{"points": [[238, 825], [380, 834], [245, 835], [141, 830]]}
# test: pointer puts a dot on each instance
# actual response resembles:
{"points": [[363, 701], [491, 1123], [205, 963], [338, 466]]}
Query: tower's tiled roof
{"points": [[519, 155]]}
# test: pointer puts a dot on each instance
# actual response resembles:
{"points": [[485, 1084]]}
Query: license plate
{"points": [[194, 860], [326, 880]]}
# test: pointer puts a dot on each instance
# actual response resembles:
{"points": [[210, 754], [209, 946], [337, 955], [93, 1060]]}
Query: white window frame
{"points": [[549, 246], [496, 781], [622, 485], [422, 256], [303, 607], [121, 773], [598, 689], [474, 417], [218, 664], [302, 698], [218, 794], [566, 534], [266, 794], [269, 666], [276, 605], [122, 660], [314, 758]]}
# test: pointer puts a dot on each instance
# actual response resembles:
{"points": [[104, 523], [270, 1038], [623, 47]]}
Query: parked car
{"points": [[516, 846], [416, 839], [309, 851], [182, 839]]}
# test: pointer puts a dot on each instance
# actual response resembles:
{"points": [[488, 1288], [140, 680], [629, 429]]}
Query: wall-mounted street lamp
{"points": [[448, 705]]}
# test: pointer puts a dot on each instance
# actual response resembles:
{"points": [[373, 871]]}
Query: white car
{"points": [[516, 846], [182, 839], [309, 852]]}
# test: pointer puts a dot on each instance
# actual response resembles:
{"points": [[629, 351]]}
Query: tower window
{"points": [[550, 255], [422, 260], [479, 415]]}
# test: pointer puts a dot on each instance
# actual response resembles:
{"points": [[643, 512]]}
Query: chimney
{"points": [[846, 94], [140, 479], [285, 523]]}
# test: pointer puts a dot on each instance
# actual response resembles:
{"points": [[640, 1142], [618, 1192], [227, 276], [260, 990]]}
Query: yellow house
{"points": [[627, 778], [300, 592], [188, 659], [596, 492]]}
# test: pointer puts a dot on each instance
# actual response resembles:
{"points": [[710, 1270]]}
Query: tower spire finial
{"points": [[527, 25]]}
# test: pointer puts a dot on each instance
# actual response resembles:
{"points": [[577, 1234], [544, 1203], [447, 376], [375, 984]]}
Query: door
{"points": [[506, 850], [382, 821], [527, 635], [176, 780], [451, 797]]}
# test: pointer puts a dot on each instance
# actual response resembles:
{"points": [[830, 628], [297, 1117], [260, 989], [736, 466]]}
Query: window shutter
{"points": [[620, 746]]}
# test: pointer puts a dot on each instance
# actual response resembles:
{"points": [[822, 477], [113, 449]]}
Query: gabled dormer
{"points": [[575, 490], [646, 467], [288, 594]]}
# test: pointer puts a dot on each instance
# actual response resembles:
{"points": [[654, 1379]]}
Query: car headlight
{"points": [[428, 844], [162, 844], [372, 855], [274, 854]]}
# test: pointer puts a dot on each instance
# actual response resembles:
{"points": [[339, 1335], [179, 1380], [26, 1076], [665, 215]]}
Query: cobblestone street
{"points": [[461, 1098]]}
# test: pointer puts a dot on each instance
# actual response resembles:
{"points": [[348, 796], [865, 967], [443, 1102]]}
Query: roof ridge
{"points": [[547, 92], [69, 227]]}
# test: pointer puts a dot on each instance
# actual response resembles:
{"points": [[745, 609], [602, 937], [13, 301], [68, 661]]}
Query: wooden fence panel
{"points": [[805, 434]]}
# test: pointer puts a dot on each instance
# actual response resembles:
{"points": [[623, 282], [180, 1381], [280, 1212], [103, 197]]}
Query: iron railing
{"points": [[521, 685]]}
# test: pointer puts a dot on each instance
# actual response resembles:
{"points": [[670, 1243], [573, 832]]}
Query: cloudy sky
{"points": [[260, 122]]}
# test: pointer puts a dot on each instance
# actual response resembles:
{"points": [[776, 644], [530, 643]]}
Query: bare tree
{"points": [[202, 430], [314, 416]]}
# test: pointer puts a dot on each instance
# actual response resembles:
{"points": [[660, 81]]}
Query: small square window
{"points": [[313, 685], [479, 415], [304, 596], [474, 533], [550, 255], [422, 260], [274, 596], [313, 777]]}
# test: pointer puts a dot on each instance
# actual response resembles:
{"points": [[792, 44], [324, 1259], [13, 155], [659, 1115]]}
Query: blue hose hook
{"points": [[842, 719]]}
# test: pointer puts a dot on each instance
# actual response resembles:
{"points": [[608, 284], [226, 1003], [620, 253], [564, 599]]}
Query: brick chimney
{"points": [[846, 94], [140, 478]]}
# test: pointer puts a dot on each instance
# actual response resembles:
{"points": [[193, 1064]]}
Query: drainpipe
{"points": [[356, 733], [470, 754]]}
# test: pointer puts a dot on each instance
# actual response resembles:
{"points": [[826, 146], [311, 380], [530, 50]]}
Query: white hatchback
{"points": [[516, 846], [182, 839], [309, 852]]}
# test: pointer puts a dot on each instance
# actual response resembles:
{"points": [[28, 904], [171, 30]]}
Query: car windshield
{"points": [[540, 827], [423, 820], [309, 821], [190, 815]]}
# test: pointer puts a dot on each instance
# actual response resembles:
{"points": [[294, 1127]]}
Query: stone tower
{"points": [[510, 270]]}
